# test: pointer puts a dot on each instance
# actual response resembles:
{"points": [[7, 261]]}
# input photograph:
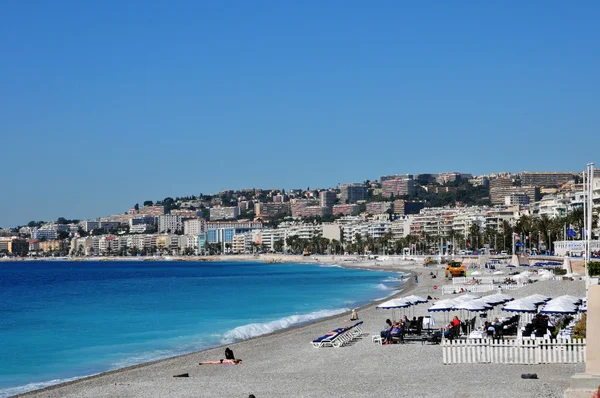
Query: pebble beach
{"points": [[286, 364]]}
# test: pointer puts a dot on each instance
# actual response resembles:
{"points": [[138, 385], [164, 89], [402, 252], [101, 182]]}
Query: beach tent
{"points": [[520, 306], [559, 307]]}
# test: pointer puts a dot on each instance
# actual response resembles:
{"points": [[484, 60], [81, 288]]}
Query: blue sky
{"points": [[105, 104]]}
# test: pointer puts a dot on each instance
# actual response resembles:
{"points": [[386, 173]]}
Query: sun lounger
{"points": [[339, 337]]}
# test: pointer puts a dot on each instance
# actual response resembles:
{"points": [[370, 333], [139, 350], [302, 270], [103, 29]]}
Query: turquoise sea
{"points": [[61, 320]]}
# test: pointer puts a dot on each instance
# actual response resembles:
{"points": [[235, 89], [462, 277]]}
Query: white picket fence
{"points": [[525, 352], [481, 288], [452, 289]]}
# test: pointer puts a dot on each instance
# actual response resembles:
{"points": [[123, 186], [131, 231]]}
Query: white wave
{"points": [[257, 329], [392, 279], [383, 287], [7, 392], [329, 266]]}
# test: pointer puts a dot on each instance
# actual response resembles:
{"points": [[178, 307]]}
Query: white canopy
{"points": [[414, 299], [537, 298], [568, 299], [520, 306], [394, 303], [473, 305], [442, 305], [559, 307], [497, 298]]}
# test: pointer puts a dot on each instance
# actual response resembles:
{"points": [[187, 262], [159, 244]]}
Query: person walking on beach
{"points": [[354, 316], [416, 279]]}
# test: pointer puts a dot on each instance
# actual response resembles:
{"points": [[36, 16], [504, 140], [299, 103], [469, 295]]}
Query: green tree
{"points": [[278, 245]]}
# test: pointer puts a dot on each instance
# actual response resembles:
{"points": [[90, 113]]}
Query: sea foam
{"points": [[257, 329], [7, 392]]}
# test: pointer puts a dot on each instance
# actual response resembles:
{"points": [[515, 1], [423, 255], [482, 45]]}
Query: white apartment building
{"points": [[224, 213], [194, 227], [169, 223]]}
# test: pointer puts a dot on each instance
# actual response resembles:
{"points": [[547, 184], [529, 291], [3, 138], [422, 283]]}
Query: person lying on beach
{"points": [[222, 362]]}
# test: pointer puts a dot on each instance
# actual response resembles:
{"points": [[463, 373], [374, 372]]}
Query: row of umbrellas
{"points": [[560, 305]]}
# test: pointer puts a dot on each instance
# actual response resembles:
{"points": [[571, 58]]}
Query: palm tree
{"points": [[543, 225], [575, 218]]}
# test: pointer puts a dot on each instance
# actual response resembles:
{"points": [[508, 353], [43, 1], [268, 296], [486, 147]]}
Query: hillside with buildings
{"points": [[426, 213]]}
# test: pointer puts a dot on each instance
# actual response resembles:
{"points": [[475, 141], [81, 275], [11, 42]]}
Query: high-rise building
{"points": [[194, 227], [272, 210], [545, 179], [169, 223], [327, 198], [351, 193], [498, 194], [397, 187], [224, 213]]}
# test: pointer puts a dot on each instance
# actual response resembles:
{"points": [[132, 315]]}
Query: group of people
{"points": [[454, 323], [391, 331], [492, 328]]}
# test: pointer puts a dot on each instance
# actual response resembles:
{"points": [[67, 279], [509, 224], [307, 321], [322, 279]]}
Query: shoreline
{"points": [[405, 287], [284, 363]]}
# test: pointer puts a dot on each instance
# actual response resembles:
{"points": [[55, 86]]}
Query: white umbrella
{"points": [[442, 305], [473, 305], [567, 298], [394, 303], [414, 299], [498, 273], [537, 298], [520, 306], [475, 273], [497, 298], [559, 307]]}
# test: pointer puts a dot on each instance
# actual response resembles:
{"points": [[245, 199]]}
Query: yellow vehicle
{"points": [[429, 261], [455, 268], [306, 253]]}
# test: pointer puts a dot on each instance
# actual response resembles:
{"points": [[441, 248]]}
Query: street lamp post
{"points": [[588, 207]]}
